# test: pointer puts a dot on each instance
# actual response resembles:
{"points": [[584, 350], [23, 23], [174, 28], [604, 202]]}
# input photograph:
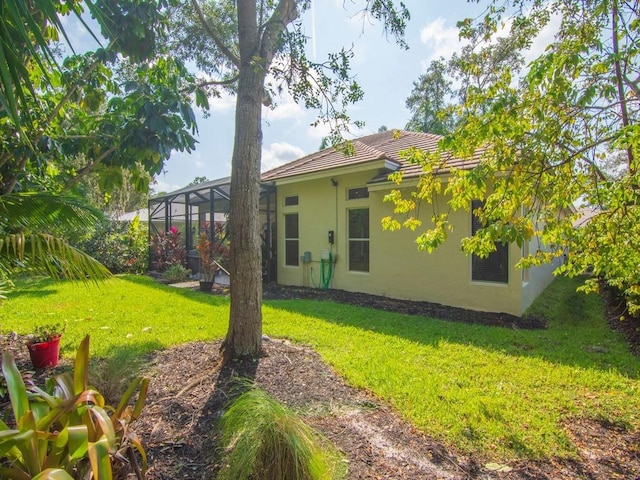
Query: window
{"points": [[355, 193], [291, 240], [290, 201], [359, 240], [495, 267]]}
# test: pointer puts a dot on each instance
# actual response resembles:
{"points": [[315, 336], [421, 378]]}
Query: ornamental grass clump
{"points": [[264, 439]]}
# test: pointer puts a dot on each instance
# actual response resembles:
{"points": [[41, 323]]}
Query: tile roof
{"points": [[379, 146]]}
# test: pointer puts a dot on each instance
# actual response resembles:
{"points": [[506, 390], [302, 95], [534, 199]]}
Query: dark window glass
{"points": [[359, 240], [292, 254], [359, 223], [289, 201], [359, 255], [355, 193], [495, 267]]}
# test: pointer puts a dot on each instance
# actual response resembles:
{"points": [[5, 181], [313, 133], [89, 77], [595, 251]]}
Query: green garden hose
{"points": [[326, 271]]}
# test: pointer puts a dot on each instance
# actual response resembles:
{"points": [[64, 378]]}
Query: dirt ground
{"points": [[189, 392]]}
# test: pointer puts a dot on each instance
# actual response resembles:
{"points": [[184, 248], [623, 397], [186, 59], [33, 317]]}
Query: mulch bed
{"points": [[410, 307], [190, 391]]}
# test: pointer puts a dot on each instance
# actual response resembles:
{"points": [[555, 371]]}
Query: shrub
{"points": [[122, 247], [176, 273], [168, 249], [265, 439]]}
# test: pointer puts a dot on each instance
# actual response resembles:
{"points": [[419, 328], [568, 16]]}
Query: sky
{"points": [[383, 69]]}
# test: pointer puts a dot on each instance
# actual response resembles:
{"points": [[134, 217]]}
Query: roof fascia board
{"points": [[387, 185], [332, 172]]}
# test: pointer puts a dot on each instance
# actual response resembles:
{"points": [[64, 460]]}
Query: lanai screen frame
{"points": [[189, 209]]}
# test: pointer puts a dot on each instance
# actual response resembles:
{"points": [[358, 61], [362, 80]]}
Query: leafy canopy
{"points": [[113, 114], [543, 136]]}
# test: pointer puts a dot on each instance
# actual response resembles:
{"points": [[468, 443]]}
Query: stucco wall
{"points": [[538, 278], [397, 268]]}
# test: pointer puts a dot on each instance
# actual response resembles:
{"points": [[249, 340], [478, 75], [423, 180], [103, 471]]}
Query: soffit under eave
{"points": [[374, 166]]}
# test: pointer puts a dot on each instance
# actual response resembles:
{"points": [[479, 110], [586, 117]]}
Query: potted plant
{"points": [[213, 254], [44, 345], [208, 261]]}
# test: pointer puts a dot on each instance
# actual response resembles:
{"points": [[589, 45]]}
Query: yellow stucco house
{"points": [[328, 215]]}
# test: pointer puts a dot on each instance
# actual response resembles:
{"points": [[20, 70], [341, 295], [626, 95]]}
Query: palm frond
{"points": [[38, 211], [47, 255], [22, 35]]}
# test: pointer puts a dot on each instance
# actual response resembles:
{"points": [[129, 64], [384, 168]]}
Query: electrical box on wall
{"points": [[331, 237], [306, 257]]}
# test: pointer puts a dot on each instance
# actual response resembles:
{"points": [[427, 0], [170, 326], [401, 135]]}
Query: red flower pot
{"points": [[45, 354]]}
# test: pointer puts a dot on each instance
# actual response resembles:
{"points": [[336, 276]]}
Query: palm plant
{"points": [[26, 218]]}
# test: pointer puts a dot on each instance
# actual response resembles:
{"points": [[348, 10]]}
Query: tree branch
{"points": [[214, 36], [87, 169], [619, 80], [210, 83], [285, 13]]}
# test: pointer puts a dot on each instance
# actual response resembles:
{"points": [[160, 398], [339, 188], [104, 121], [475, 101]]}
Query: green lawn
{"points": [[500, 392]]}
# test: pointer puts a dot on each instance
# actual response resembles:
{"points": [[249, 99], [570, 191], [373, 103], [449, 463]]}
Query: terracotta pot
{"points": [[206, 286], [45, 354]]}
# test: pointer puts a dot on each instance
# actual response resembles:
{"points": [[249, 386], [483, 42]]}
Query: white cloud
{"points": [[162, 186], [285, 108], [224, 103], [279, 153], [318, 132], [442, 40]]}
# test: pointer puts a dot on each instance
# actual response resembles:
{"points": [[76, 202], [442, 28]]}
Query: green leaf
{"points": [[15, 385], [81, 367], [100, 460], [143, 384], [78, 441], [53, 474]]}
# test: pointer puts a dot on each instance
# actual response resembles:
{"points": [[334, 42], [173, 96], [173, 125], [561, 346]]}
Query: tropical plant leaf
{"points": [[143, 384], [15, 386], [53, 474], [13, 474], [48, 255], [38, 211], [100, 460], [81, 367]]}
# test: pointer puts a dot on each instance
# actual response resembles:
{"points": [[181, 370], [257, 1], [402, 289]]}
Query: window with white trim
{"points": [[291, 240], [359, 239]]}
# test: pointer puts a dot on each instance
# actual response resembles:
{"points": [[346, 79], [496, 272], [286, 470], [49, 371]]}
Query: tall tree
{"points": [[447, 82], [429, 100], [543, 140], [255, 49]]}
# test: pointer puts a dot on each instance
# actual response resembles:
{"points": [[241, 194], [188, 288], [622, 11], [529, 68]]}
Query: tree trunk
{"points": [[244, 337], [257, 48]]}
